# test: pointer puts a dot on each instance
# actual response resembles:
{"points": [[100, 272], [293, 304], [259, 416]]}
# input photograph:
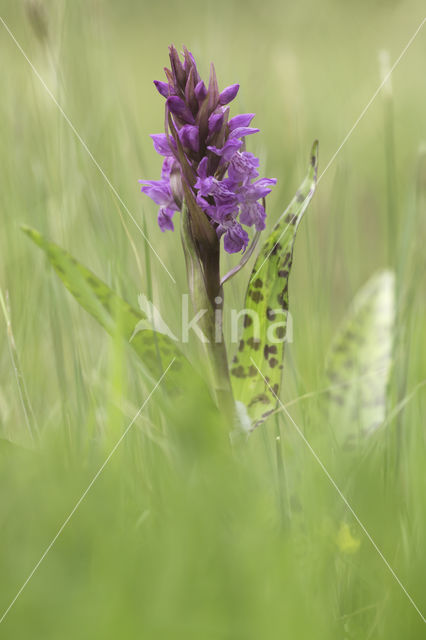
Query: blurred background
{"points": [[179, 537]]}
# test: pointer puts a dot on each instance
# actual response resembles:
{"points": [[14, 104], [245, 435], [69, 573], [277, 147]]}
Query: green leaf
{"points": [[156, 350], [262, 343], [359, 362]]}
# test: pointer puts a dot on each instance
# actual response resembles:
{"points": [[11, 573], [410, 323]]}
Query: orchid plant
{"points": [[210, 178]]}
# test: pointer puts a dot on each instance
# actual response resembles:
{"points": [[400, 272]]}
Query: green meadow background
{"points": [[183, 536]]}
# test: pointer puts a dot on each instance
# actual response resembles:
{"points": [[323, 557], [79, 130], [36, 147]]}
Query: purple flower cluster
{"points": [[205, 149]]}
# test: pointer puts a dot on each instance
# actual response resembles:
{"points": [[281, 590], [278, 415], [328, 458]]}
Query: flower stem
{"points": [[207, 295]]}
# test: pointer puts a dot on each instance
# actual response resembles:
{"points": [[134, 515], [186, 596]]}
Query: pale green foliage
{"points": [[359, 362], [156, 350]]}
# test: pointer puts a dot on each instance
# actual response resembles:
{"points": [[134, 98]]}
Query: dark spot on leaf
{"points": [[283, 273], [280, 332], [256, 296], [283, 300], [287, 258], [269, 349], [258, 283], [270, 313], [238, 372], [247, 321], [262, 398], [273, 362], [241, 345], [254, 343]]}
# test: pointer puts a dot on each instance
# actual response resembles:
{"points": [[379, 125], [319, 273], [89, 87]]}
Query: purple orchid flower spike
{"points": [[214, 182], [207, 161]]}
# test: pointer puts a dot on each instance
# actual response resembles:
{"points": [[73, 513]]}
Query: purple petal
{"points": [[215, 122], [224, 195], [262, 187], [241, 132], [189, 61], [221, 212], [202, 167], [228, 94], [243, 166], [162, 144], [242, 120], [228, 149], [200, 91], [178, 107], [189, 136], [163, 88], [168, 165], [253, 213], [157, 190], [202, 202], [165, 221], [250, 193], [204, 185], [235, 238]]}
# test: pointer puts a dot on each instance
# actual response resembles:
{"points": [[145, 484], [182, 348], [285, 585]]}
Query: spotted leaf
{"points": [[256, 369], [155, 349], [359, 362]]}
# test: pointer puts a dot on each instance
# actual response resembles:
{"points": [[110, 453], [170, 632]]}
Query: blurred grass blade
{"points": [[360, 359], [266, 316], [114, 314], [30, 419]]}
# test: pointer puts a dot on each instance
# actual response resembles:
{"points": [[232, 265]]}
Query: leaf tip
{"points": [[314, 154], [32, 233]]}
